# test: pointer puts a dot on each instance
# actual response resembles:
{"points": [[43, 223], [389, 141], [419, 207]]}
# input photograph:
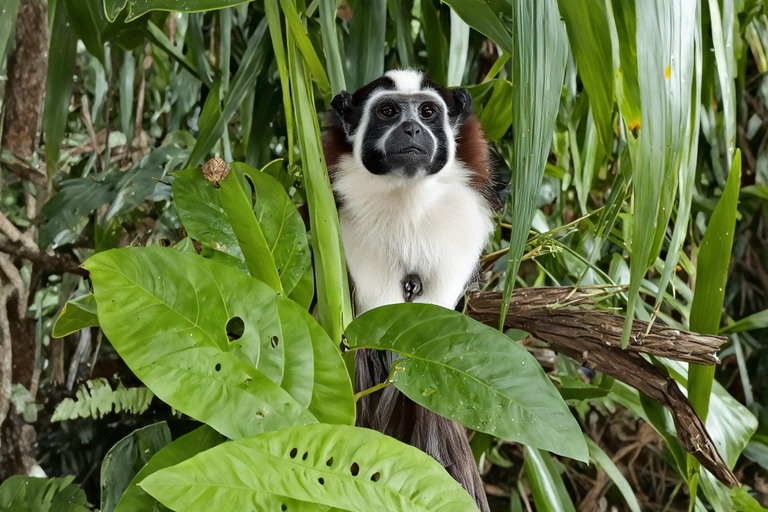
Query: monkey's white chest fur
{"points": [[434, 226]]}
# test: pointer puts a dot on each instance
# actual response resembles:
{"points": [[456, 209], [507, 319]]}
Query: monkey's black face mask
{"points": [[407, 134]]}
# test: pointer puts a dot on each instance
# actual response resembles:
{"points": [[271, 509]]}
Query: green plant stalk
{"points": [[331, 45], [276, 32], [334, 304]]}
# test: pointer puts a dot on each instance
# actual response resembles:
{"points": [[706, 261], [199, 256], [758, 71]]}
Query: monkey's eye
{"points": [[427, 110], [387, 110]]}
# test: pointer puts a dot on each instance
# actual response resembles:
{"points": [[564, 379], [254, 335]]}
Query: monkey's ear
{"points": [[342, 104], [462, 105]]}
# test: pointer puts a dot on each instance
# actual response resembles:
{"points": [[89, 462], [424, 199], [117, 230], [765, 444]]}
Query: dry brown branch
{"points": [[51, 261], [561, 311], [559, 316]]}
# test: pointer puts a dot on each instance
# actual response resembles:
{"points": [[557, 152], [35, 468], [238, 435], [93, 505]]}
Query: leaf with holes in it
{"points": [[256, 360], [307, 469], [469, 372]]}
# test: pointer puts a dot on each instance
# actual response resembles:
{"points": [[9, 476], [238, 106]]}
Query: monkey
{"points": [[409, 167]]}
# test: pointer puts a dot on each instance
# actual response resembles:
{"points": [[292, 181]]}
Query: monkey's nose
{"points": [[411, 128]]}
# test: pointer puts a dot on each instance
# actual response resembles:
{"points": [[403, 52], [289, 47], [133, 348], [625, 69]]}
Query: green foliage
{"points": [[336, 466], [96, 399], [42, 495], [183, 448], [440, 370], [124, 460], [538, 64], [611, 125], [79, 313], [278, 372]]}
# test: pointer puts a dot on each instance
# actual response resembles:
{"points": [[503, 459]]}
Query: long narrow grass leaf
{"points": [[538, 68]]}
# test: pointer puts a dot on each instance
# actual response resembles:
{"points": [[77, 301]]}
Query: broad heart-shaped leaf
{"points": [[124, 459], [77, 314], [200, 209], [471, 373], [168, 313], [135, 499], [309, 469]]}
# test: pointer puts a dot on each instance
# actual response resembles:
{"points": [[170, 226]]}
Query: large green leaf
{"points": [[538, 68], [589, 36], [665, 60], [28, 494], [471, 373], [168, 314], [136, 499], [126, 458], [351, 468], [77, 314], [58, 84]]}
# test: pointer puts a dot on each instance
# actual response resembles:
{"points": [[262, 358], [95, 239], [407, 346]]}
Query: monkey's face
{"points": [[400, 128], [405, 134]]}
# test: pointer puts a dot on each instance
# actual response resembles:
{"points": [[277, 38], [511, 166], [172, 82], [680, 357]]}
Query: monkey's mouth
{"points": [[411, 150]]}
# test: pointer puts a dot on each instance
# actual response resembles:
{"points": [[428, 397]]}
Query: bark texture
{"points": [[561, 317]]}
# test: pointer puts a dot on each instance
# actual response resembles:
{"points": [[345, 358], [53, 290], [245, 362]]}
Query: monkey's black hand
{"points": [[411, 287]]}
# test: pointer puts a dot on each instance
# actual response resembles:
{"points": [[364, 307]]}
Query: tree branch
{"points": [[561, 317], [51, 261]]}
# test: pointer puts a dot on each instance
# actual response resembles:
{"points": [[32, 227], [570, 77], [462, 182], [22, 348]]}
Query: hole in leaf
{"points": [[251, 185], [375, 477], [293, 453], [218, 367], [322, 482], [304, 457], [329, 463], [235, 328], [275, 341], [355, 469], [260, 414], [283, 508]]}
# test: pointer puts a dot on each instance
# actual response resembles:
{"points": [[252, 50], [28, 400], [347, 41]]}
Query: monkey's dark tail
{"points": [[392, 413]]}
